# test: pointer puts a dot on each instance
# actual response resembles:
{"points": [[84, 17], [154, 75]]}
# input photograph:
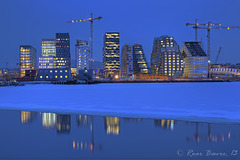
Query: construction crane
{"points": [[218, 55], [209, 26], [91, 19]]}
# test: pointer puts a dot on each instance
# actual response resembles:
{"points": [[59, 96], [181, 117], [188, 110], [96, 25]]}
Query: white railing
{"points": [[233, 71]]}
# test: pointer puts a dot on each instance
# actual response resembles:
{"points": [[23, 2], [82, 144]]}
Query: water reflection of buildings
{"points": [[112, 125], [209, 137], [164, 123], [27, 116], [81, 145], [49, 120], [82, 120], [63, 123], [133, 119]]}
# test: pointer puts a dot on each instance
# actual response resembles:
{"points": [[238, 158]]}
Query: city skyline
{"points": [[137, 27]]}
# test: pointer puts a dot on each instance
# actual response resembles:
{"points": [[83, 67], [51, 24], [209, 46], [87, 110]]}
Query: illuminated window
{"points": [[46, 76], [61, 71], [65, 76], [56, 71], [60, 76], [40, 76], [55, 76], [65, 70]]}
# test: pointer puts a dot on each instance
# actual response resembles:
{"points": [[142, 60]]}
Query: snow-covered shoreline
{"points": [[195, 101]]}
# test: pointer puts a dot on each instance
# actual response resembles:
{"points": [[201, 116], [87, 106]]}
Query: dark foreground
{"points": [[35, 135]]}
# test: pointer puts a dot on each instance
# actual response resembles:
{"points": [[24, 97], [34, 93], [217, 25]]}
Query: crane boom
{"points": [[91, 34], [218, 54]]}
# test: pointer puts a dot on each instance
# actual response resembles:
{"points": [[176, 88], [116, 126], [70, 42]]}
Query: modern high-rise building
{"points": [[140, 65], [111, 63], [196, 60], [28, 59], [82, 55], [47, 60], [63, 57], [166, 58], [48, 47], [126, 61]]}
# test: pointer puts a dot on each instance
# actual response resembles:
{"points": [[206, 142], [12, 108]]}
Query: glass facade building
{"points": [[111, 64], [82, 55], [196, 60], [28, 59], [126, 61], [48, 47], [47, 60], [140, 65], [63, 57], [166, 58]]}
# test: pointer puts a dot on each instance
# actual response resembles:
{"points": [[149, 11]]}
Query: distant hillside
{"points": [[97, 64]]}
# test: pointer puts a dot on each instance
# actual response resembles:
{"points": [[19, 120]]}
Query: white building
{"points": [[82, 55], [196, 60]]}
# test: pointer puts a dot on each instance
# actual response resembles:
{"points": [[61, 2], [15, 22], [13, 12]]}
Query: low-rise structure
{"points": [[57, 74]]}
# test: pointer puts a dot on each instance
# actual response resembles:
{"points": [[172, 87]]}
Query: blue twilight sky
{"points": [[25, 22]]}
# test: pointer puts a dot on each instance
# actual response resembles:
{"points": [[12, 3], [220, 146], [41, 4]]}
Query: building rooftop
{"points": [[195, 48]]}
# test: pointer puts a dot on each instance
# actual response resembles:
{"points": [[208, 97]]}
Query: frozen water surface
{"points": [[196, 101]]}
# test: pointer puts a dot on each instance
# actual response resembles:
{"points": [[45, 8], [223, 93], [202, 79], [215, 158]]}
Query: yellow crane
{"points": [[91, 19], [209, 26]]}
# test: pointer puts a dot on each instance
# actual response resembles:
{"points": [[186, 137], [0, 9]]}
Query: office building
{"points": [[166, 58], [46, 61], [28, 59], [63, 57], [111, 59], [48, 47], [126, 61], [82, 55], [196, 60], [140, 65]]}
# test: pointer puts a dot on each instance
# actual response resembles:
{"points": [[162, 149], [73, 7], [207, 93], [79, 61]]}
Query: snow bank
{"points": [[146, 100]]}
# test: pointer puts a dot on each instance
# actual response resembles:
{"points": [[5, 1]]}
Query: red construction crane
{"points": [[209, 26], [91, 19]]}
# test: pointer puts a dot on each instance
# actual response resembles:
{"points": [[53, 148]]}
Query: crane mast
{"points": [[91, 19]]}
